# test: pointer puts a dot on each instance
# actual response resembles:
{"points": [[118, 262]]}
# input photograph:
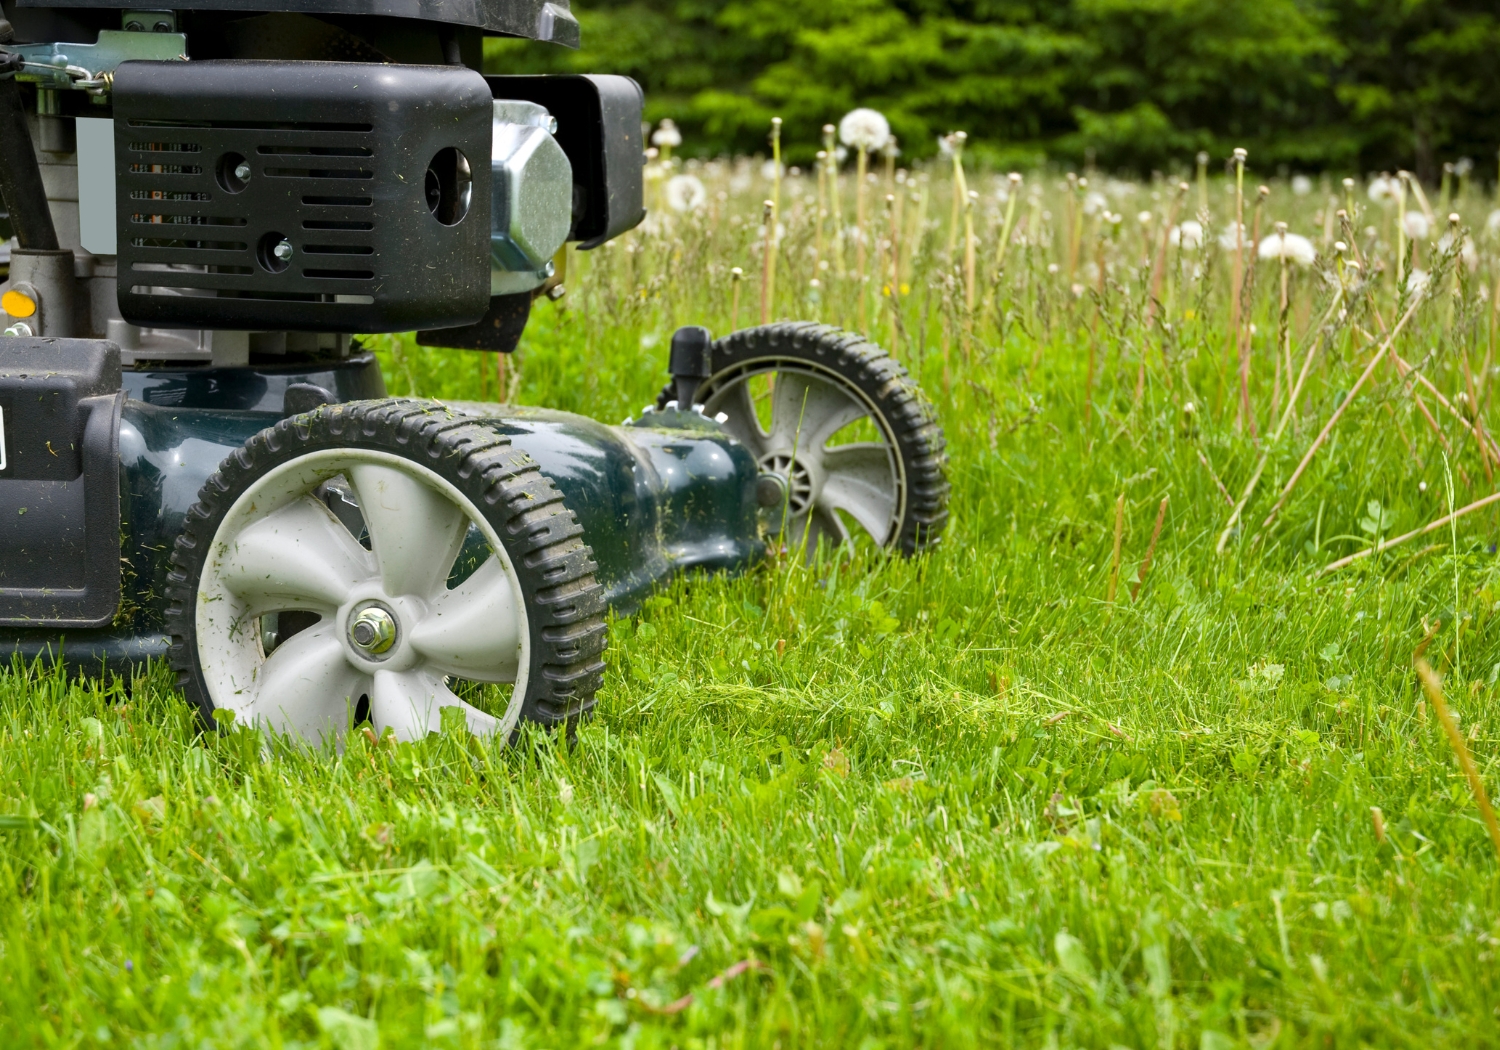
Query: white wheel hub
{"points": [[823, 480], [390, 630]]}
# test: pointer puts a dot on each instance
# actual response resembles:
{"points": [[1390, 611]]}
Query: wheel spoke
{"points": [[743, 425], [307, 686], [807, 411], [858, 479], [298, 557], [473, 630], [415, 531], [411, 704]]}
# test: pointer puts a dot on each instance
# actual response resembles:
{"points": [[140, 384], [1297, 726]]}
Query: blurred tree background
{"points": [[1347, 85]]}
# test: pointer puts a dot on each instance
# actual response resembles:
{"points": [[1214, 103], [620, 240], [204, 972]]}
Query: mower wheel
{"points": [[842, 433], [384, 560]]}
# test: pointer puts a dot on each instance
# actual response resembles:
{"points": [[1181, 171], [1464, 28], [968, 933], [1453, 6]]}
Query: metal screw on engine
{"points": [[283, 251], [556, 292], [162, 27], [133, 26], [373, 630], [242, 171]]}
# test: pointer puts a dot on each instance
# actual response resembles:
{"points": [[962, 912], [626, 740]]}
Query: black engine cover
{"points": [[376, 176]]}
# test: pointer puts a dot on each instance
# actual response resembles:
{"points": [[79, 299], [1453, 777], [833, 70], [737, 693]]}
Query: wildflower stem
{"points": [[1145, 569], [1338, 413], [1239, 248], [1114, 561], [1275, 439], [1159, 267], [1434, 690]]}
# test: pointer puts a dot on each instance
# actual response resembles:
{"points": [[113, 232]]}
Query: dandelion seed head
{"points": [[864, 129], [1416, 225], [1188, 236], [666, 134], [1492, 224], [1233, 236], [1144, 218], [1417, 280], [1289, 246], [686, 193], [1383, 189], [1095, 202], [1301, 185]]}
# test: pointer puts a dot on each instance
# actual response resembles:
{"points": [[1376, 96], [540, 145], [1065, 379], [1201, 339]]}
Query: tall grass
{"points": [[956, 800]]}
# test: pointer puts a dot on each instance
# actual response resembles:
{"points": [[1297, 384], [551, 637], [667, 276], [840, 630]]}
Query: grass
{"points": [[956, 800]]}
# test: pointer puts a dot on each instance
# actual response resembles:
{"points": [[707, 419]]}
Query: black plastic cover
{"points": [[549, 20], [376, 176], [498, 330], [60, 400], [599, 128]]}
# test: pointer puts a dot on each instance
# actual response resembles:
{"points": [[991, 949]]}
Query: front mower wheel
{"points": [[839, 429], [384, 560]]}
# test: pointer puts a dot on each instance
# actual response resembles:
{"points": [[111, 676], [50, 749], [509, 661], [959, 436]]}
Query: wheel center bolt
{"points": [[770, 490], [373, 630]]}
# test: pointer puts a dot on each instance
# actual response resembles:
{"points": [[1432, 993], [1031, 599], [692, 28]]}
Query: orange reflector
{"points": [[18, 304]]}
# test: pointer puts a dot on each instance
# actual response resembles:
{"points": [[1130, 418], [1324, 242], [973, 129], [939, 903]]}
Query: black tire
{"points": [[897, 405], [564, 605]]}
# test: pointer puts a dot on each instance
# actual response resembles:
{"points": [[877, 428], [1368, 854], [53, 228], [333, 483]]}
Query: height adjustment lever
{"points": [[690, 363]]}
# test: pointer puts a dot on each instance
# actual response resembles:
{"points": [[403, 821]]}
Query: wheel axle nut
{"points": [[373, 630], [770, 490]]}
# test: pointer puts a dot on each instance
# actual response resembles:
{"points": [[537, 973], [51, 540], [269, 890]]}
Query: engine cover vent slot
{"points": [[303, 185]]}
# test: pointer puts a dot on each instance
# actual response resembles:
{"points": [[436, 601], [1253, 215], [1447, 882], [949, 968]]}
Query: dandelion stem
{"points": [[769, 304], [970, 279], [768, 261], [1014, 182], [861, 236]]}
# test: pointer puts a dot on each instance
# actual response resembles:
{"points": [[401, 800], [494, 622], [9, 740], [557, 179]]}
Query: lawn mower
{"points": [[198, 459]]}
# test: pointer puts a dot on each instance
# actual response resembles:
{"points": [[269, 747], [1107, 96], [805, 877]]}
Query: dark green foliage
{"points": [[1363, 84]]}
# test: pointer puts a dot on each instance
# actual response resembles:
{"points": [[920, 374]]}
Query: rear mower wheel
{"points": [[403, 559], [840, 425]]}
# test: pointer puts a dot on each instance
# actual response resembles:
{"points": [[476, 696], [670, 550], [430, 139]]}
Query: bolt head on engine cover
{"points": [[531, 210]]}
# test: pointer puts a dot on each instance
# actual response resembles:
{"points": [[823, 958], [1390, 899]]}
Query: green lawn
{"points": [[950, 801]]}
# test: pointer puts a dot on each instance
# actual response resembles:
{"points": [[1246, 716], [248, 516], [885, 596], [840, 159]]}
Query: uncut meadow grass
{"points": [[955, 800]]}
